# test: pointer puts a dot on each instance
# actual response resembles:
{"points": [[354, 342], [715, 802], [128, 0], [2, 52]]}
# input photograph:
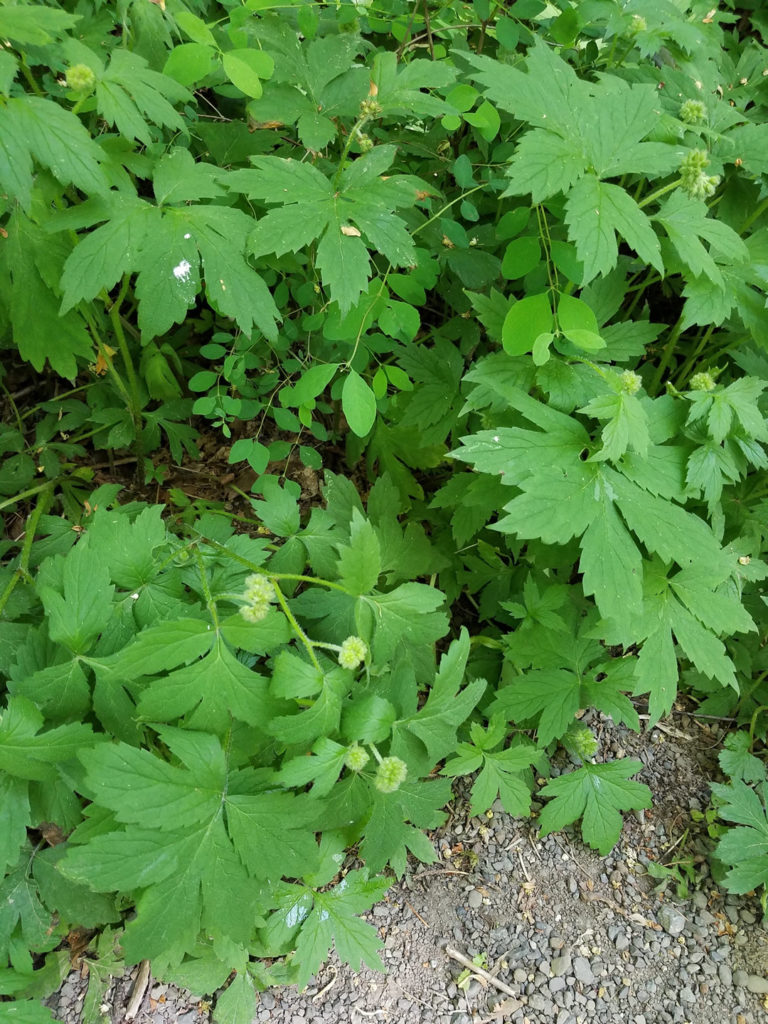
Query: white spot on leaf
{"points": [[181, 272]]}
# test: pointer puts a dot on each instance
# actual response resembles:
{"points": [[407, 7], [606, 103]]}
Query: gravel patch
{"points": [[568, 937]]}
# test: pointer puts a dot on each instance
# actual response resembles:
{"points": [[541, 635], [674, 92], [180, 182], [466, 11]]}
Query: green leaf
{"points": [[744, 848], [359, 404], [657, 672], [232, 287], [188, 63], [26, 1011], [27, 753], [552, 694], [56, 138], [74, 902], [312, 383], [407, 613], [525, 321], [322, 769], [737, 761], [169, 796], [359, 561], [520, 257], [194, 27], [544, 164], [20, 905], [238, 692], [446, 707], [596, 793], [273, 834], [130, 96], [322, 719], [102, 257], [178, 178], [163, 647], [395, 822], [34, 305], [83, 607], [399, 86], [32, 25], [339, 214], [237, 1003], [612, 567], [504, 776], [14, 800], [595, 213], [246, 69], [332, 922]]}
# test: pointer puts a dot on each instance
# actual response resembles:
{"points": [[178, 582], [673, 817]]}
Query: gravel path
{"points": [[569, 936]]}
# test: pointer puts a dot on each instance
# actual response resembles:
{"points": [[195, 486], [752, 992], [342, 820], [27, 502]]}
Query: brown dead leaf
{"points": [[101, 365]]}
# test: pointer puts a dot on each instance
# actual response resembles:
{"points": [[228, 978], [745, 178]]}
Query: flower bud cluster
{"points": [[370, 108], [80, 79], [693, 178], [581, 741], [365, 142], [356, 758], [630, 382], [259, 593], [702, 382], [353, 652], [390, 774], [693, 112]]}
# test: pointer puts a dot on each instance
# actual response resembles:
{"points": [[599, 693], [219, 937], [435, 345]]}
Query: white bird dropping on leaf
{"points": [[181, 272]]}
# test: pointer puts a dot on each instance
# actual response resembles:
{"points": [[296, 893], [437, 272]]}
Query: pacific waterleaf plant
{"points": [[361, 234], [148, 629]]}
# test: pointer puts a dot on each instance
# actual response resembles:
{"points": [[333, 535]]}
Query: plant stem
{"points": [[354, 130], [133, 383], [757, 212], [33, 522], [272, 575], [209, 601], [297, 629], [690, 362], [666, 357], [659, 192]]}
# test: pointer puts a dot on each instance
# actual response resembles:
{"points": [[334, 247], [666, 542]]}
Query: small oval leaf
{"points": [[358, 403]]}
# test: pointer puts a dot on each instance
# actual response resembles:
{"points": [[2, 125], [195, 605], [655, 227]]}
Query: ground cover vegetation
{"points": [[497, 272]]}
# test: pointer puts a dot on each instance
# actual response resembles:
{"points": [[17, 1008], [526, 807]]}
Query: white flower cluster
{"points": [[353, 652], [259, 593]]}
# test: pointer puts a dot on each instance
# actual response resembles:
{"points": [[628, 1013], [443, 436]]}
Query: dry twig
{"points": [[454, 954]]}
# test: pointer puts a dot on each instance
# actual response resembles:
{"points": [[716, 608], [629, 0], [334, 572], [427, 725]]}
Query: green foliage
{"points": [[505, 269]]}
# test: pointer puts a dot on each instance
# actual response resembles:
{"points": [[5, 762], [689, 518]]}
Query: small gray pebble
{"points": [[700, 900], [740, 978], [686, 994], [757, 984], [561, 965], [583, 971], [725, 974], [747, 917], [671, 920], [556, 985], [475, 899], [622, 942]]}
